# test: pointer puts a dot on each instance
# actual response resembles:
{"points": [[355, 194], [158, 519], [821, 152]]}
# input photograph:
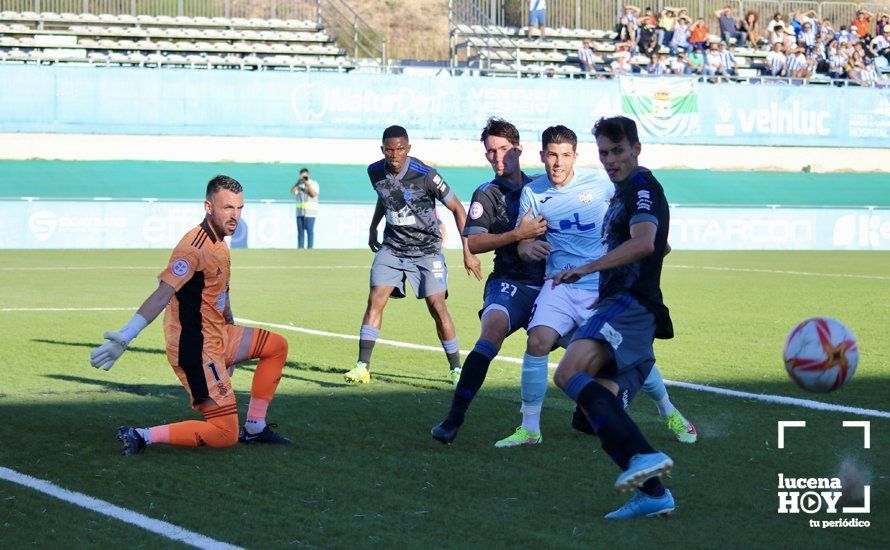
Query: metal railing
{"points": [[467, 12], [352, 32]]}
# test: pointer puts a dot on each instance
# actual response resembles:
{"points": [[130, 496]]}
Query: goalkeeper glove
{"points": [[105, 355]]}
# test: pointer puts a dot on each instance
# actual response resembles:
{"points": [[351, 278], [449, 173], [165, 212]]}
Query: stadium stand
{"points": [[828, 53], [193, 42]]}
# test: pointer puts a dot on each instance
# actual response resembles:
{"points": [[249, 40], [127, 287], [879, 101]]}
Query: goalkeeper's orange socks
{"points": [[220, 430], [271, 349]]}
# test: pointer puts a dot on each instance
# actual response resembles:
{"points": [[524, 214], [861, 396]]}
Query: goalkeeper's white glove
{"points": [[105, 355]]}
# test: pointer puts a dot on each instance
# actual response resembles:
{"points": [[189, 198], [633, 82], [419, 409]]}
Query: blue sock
{"points": [[534, 387], [471, 378], [452, 351]]}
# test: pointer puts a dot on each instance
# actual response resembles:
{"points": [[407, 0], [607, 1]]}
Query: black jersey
{"points": [[639, 198], [495, 209], [409, 198]]}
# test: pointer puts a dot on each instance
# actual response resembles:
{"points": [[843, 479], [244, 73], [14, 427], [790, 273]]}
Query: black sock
{"points": [[653, 487], [471, 378], [619, 434]]}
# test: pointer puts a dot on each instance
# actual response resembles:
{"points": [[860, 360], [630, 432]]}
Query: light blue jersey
{"points": [[574, 215]]}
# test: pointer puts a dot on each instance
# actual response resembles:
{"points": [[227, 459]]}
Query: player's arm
{"points": [[528, 228], [640, 245], [471, 262], [373, 242], [531, 249], [106, 354]]}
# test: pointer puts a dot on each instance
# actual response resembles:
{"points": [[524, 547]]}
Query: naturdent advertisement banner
{"points": [[111, 100], [132, 224]]}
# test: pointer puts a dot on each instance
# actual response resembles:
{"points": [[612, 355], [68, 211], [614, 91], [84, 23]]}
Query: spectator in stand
{"points": [[648, 41], [796, 64], [630, 34], [666, 24], [586, 57], [630, 16], [679, 64], [837, 60], [713, 62], [656, 65], [880, 46], [729, 30], [698, 34], [862, 24], [844, 37], [826, 29], [807, 35], [537, 17], [883, 24], [621, 64], [727, 59], [680, 38], [777, 35], [776, 59], [751, 26], [776, 21], [867, 75], [648, 18], [696, 61]]}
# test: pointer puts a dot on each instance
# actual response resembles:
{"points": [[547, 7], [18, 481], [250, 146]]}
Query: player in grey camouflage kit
{"points": [[407, 191]]}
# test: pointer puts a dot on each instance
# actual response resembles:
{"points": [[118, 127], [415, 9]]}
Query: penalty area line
{"points": [[766, 398], [162, 528]]}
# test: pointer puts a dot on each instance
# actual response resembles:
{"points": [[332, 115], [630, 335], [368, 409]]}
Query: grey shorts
{"points": [[428, 275], [628, 330]]}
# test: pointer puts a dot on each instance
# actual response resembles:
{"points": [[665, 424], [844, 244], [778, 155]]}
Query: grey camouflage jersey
{"points": [[409, 199]]}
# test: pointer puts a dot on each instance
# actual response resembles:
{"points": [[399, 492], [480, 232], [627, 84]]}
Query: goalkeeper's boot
{"points": [[359, 375], [455, 375], [683, 429], [265, 436], [520, 437], [580, 421], [643, 467], [133, 442], [642, 505]]}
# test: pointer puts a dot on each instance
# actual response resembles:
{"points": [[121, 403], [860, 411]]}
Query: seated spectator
{"points": [[751, 25], [802, 19], [777, 35], [862, 23], [679, 64], [776, 21], [621, 63], [776, 59], [883, 24], [729, 30], [713, 61], [807, 35], [656, 65], [586, 57], [845, 36], [696, 61], [826, 29], [648, 18], [680, 38], [796, 65], [862, 72], [666, 24], [629, 33], [837, 60], [727, 59], [880, 46], [648, 40], [698, 34], [630, 16]]}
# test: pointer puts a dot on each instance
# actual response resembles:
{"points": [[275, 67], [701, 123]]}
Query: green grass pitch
{"points": [[364, 471]]}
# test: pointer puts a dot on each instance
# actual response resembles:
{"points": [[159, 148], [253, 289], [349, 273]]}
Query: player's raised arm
{"points": [[373, 241], [104, 356]]}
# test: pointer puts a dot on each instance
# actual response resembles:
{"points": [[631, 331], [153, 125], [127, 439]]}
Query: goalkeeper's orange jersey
{"points": [[194, 321]]}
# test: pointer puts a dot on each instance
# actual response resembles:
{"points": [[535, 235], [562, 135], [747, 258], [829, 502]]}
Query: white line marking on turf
{"points": [[781, 272], [778, 399], [160, 267], [14, 309], [162, 528]]}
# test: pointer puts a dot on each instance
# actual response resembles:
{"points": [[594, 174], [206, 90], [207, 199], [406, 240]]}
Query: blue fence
{"points": [[113, 100]]}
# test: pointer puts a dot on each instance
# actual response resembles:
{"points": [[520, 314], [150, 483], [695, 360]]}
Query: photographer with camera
{"points": [[306, 192]]}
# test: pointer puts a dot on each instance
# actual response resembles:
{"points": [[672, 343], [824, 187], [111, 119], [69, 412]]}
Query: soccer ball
{"points": [[821, 354]]}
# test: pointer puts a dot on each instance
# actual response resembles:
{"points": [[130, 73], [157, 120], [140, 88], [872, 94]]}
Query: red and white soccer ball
{"points": [[821, 355]]}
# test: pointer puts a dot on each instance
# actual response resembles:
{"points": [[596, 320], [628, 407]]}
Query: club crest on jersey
{"points": [[476, 211], [179, 267], [586, 198]]}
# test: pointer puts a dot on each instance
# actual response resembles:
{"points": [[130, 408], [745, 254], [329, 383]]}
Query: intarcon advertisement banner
{"points": [[65, 99], [134, 224]]}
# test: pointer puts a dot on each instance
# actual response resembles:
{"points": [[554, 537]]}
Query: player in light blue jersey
{"points": [[573, 202]]}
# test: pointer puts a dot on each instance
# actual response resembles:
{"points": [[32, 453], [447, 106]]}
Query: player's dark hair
{"points": [[395, 132], [559, 134], [617, 128], [499, 127], [222, 182]]}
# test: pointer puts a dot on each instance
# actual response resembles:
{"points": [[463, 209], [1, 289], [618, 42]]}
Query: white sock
{"points": [[254, 426], [144, 434], [665, 407], [531, 419]]}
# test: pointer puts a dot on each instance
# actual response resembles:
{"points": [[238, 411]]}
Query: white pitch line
{"points": [[69, 309], [792, 401], [162, 528], [781, 272], [160, 267]]}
